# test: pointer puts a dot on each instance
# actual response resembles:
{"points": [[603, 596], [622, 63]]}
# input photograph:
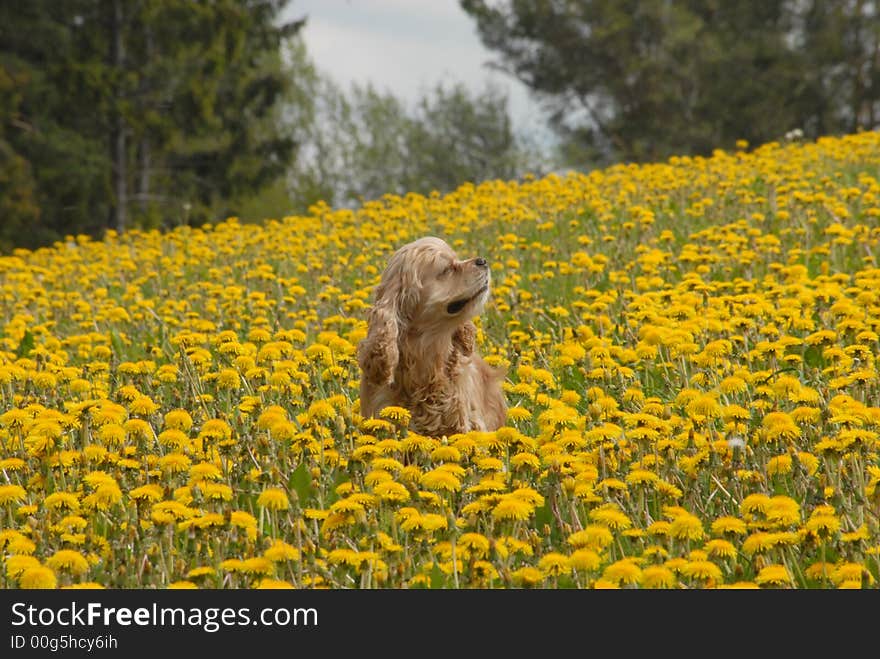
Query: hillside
{"points": [[691, 356]]}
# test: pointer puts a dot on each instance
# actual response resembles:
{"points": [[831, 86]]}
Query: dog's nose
{"points": [[481, 262]]}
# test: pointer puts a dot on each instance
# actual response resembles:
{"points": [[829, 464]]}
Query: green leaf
{"points": [[813, 357], [301, 483], [438, 579], [118, 345], [26, 345], [543, 515]]}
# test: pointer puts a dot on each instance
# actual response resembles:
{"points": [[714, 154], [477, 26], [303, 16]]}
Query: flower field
{"points": [[691, 352]]}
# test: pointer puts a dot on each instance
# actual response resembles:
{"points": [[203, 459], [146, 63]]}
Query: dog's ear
{"points": [[397, 296], [465, 338], [378, 353]]}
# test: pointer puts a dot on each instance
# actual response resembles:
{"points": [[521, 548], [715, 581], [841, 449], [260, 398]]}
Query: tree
{"points": [[367, 143], [138, 113], [644, 79]]}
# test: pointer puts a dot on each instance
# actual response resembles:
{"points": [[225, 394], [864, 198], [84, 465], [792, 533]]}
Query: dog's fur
{"points": [[420, 353]]}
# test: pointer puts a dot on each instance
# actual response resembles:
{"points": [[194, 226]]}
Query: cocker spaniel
{"points": [[420, 352]]}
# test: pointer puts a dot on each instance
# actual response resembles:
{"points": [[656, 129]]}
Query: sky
{"points": [[407, 47]]}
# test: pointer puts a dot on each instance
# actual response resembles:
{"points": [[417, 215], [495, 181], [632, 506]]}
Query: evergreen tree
{"points": [[139, 113]]}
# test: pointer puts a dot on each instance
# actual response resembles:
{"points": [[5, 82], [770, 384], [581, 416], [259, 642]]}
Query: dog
{"points": [[420, 349]]}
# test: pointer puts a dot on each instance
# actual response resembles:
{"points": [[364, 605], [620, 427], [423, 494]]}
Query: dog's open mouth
{"points": [[457, 306]]}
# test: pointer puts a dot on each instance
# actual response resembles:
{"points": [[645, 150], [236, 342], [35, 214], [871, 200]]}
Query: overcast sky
{"points": [[406, 47]]}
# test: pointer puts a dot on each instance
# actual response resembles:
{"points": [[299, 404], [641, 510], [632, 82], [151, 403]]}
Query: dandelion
{"points": [[62, 501], [727, 524], [774, 575], [704, 570], [612, 518], [174, 463], [720, 548], [16, 564], [392, 491], [754, 503], [783, 510], [143, 406], [399, 415], [273, 584], [657, 576], [69, 560], [178, 420], [151, 493], [686, 526], [273, 498], [216, 430], [624, 571], [11, 494], [528, 576], [440, 479], [852, 573], [512, 508], [37, 577], [592, 537], [517, 413], [585, 560], [758, 542], [554, 564]]}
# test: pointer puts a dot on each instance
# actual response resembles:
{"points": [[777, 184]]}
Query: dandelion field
{"points": [[691, 356]]}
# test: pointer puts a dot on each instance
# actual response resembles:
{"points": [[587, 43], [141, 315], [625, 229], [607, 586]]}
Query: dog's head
{"points": [[425, 289]]}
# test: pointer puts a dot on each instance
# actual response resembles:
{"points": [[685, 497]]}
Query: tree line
{"points": [[645, 79], [152, 113]]}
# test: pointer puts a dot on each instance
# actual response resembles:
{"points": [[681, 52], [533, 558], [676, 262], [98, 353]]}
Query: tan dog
{"points": [[420, 353]]}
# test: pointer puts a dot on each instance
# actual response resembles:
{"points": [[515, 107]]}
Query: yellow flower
{"points": [[585, 559], [16, 564], [174, 463], [779, 465], [11, 494], [657, 576], [612, 518], [70, 560], [591, 537], [721, 548], [281, 551], [517, 413], [727, 524], [401, 416], [143, 405], [273, 498], [624, 571], [62, 500], [150, 492], [216, 429], [512, 508], [440, 479], [178, 420], [392, 491], [554, 564], [686, 526], [37, 577], [528, 576], [705, 570], [474, 544], [774, 575], [273, 584], [783, 510]]}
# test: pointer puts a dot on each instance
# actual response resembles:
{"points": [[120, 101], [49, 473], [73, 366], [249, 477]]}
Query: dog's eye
{"points": [[445, 271]]}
